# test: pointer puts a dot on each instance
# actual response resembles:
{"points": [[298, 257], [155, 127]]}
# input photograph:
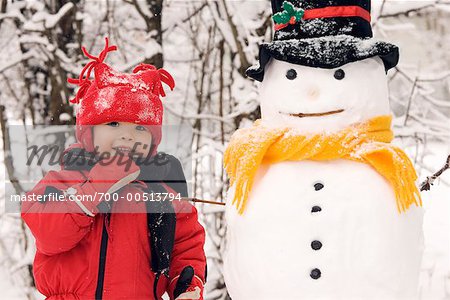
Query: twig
{"points": [[379, 13], [409, 102], [146, 17], [426, 185], [240, 50], [409, 11], [196, 11], [196, 200]]}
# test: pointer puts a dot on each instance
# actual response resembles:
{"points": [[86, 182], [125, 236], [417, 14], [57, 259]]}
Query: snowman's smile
{"points": [[303, 115]]}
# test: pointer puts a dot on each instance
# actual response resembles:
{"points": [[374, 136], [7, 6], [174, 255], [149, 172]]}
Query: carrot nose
{"points": [[313, 93]]}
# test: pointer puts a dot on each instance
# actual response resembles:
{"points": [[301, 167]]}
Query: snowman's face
{"points": [[314, 100]]}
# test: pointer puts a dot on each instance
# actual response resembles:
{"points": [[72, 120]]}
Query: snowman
{"points": [[322, 205]]}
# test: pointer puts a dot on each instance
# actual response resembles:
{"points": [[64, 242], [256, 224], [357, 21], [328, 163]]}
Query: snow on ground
{"points": [[435, 276], [9, 291]]}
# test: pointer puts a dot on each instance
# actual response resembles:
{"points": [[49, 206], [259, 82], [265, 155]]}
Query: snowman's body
{"points": [[368, 250], [328, 229]]}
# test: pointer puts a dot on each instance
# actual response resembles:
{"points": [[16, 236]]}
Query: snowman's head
{"points": [[315, 100]]}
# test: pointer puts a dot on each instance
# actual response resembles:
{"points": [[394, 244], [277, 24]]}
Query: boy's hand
{"points": [[183, 289], [107, 176], [110, 175], [193, 293]]}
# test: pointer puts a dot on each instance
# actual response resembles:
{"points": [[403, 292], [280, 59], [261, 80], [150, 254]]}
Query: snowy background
{"points": [[207, 45]]}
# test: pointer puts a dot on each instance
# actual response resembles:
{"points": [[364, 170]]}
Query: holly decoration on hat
{"points": [[290, 15]]}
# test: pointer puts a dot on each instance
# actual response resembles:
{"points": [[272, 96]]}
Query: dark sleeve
{"points": [[175, 178]]}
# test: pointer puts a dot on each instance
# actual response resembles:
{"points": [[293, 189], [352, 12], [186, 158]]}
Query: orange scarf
{"points": [[367, 142]]}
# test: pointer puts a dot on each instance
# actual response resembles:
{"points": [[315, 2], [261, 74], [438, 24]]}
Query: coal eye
{"points": [[291, 74], [339, 74]]}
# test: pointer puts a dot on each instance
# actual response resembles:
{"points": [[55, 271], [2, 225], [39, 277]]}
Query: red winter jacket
{"points": [[78, 254]]}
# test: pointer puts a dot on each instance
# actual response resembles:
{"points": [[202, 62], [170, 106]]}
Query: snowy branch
{"points": [[426, 185], [16, 60], [143, 11], [15, 15], [52, 20]]}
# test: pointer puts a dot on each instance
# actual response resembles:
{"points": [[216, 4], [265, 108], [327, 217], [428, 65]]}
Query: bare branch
{"points": [[196, 11], [408, 12], [146, 17], [426, 185], [410, 101], [242, 56]]}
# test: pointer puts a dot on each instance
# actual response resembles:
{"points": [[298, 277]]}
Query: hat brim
{"points": [[324, 52]]}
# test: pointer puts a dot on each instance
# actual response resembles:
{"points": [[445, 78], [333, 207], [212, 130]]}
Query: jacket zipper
{"points": [[102, 261]]}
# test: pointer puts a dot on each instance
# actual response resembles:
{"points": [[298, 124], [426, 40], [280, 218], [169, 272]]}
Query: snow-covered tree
{"points": [[207, 46]]}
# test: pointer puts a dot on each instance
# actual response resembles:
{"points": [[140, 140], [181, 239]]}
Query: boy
{"points": [[105, 241]]}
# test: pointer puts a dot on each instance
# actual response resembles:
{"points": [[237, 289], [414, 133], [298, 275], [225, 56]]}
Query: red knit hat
{"points": [[119, 97]]}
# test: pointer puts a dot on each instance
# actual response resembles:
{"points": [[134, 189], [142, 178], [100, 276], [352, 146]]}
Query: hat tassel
{"points": [[83, 80]]}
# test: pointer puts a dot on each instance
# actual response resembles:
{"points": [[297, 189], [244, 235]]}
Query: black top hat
{"points": [[322, 34]]}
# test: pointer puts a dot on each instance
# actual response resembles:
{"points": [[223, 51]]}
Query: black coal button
{"points": [[291, 74], [318, 186], [339, 74], [315, 274], [316, 245], [316, 209]]}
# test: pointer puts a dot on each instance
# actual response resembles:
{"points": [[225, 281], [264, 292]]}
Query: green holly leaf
{"points": [[281, 17], [289, 11], [289, 7], [299, 13]]}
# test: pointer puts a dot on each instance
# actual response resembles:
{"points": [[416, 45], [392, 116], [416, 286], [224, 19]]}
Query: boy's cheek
{"points": [[143, 149]]}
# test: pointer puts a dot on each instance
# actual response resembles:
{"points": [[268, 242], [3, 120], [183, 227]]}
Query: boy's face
{"points": [[122, 138]]}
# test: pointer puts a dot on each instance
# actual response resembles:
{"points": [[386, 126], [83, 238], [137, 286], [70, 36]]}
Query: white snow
{"points": [[105, 99], [52, 20], [113, 77], [151, 48], [64, 117], [146, 114]]}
